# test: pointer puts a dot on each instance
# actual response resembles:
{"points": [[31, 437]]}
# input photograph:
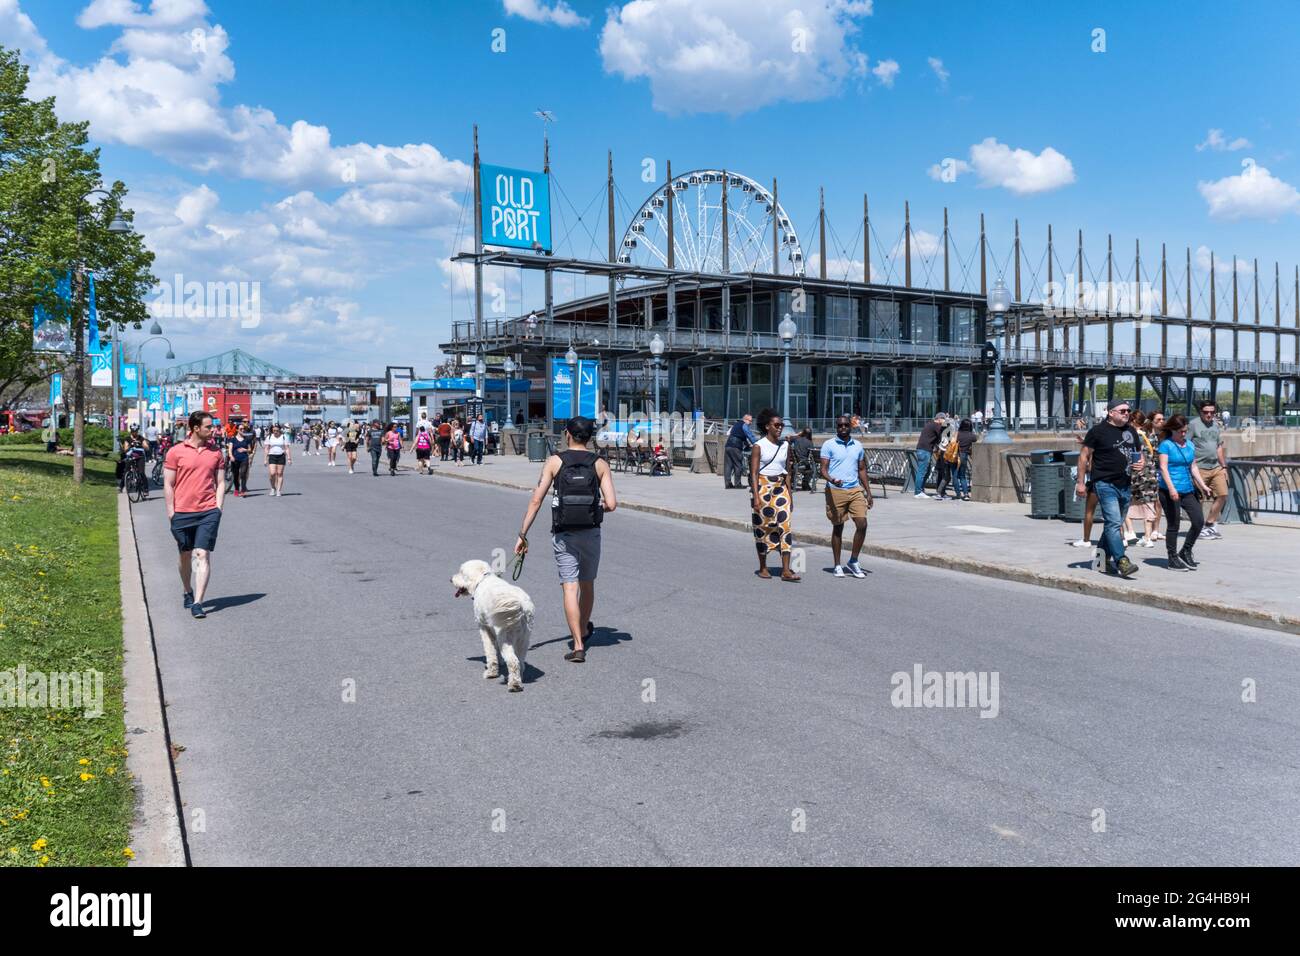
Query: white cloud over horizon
{"points": [[734, 56], [559, 12], [1254, 193], [1019, 171]]}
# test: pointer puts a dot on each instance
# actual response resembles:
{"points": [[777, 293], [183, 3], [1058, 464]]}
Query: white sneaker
{"points": [[856, 571], [839, 571], [920, 494], [1081, 543]]}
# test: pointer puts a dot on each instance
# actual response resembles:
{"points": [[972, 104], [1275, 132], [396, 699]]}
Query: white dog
{"points": [[505, 618]]}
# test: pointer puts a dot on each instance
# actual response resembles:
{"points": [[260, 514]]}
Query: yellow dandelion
{"points": [[129, 853], [45, 859], [40, 844], [110, 770], [20, 815], [83, 761], [87, 776], [45, 781]]}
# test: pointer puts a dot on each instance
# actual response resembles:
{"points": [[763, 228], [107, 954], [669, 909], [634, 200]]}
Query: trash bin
{"points": [[1072, 508], [536, 446], [1044, 485]]}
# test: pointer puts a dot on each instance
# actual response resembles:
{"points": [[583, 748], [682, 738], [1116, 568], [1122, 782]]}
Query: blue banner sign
{"points": [[155, 394], [516, 207], [56, 389], [561, 389], [588, 388], [130, 380], [179, 411], [569, 397]]}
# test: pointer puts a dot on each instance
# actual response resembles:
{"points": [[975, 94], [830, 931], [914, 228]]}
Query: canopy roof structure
{"points": [[234, 362]]}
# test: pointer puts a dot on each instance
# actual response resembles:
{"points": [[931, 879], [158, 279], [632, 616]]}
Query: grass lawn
{"points": [[65, 795]]}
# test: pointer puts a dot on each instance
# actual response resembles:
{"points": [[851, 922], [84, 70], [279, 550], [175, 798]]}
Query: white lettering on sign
{"points": [[513, 215]]}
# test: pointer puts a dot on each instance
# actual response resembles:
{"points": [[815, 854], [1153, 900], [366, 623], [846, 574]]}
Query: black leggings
{"points": [[393, 456], [239, 471], [1192, 505]]}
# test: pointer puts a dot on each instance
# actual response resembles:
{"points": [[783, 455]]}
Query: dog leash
{"points": [[519, 561]]}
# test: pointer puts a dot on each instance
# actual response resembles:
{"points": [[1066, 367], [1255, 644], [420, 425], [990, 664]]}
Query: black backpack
{"points": [[575, 493]]}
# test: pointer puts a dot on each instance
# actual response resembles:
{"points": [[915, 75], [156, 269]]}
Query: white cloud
{"points": [[1019, 170], [159, 88], [1253, 194], [127, 13], [559, 13], [733, 56], [924, 245], [936, 65], [1216, 141], [17, 31], [885, 71]]}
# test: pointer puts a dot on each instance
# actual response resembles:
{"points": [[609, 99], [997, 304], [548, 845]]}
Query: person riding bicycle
{"points": [[134, 453]]}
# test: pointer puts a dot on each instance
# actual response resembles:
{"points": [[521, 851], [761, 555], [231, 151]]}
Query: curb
{"points": [[1197, 607], [156, 834]]}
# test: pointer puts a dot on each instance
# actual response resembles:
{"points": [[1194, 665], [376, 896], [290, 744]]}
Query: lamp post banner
{"points": [[56, 389], [561, 388], [588, 388], [51, 333], [516, 207], [101, 366], [155, 394], [130, 380]]}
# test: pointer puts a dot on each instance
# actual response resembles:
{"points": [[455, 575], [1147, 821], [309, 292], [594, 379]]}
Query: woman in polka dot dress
{"points": [[771, 470]]}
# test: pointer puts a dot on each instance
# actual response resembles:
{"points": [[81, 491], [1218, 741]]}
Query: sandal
{"points": [[576, 657], [790, 576], [765, 574]]}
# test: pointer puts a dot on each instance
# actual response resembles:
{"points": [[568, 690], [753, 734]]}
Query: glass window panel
{"points": [[763, 313], [884, 394], [883, 322], [925, 393], [841, 316], [961, 324], [925, 322]]}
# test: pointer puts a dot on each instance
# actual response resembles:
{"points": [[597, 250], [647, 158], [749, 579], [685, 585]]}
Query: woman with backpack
{"points": [[965, 439], [771, 473], [582, 490], [393, 442], [423, 445]]}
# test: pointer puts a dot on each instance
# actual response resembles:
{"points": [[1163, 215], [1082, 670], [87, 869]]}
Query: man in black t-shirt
{"points": [[1109, 449]]}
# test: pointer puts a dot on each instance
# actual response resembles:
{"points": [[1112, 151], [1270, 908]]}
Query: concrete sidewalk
{"points": [[1247, 577]]}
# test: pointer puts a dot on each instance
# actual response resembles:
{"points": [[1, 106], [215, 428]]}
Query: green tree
{"points": [[49, 225]]}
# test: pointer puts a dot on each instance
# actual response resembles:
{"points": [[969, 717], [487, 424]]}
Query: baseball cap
{"points": [[1117, 402]]}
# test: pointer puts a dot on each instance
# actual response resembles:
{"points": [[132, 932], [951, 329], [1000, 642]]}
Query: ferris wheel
{"points": [[698, 226]]}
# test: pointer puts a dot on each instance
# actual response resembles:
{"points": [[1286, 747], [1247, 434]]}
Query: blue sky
{"points": [[353, 272]]}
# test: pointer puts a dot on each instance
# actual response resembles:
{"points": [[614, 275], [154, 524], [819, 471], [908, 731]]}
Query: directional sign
{"points": [[588, 387], [561, 389]]}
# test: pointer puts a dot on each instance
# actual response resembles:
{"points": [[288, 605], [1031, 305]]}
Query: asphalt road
{"points": [[771, 737]]}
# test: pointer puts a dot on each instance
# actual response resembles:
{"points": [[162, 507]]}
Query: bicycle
{"points": [[156, 477], [137, 486]]}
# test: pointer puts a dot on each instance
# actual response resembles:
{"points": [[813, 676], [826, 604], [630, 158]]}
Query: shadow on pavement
{"points": [[529, 675], [234, 600]]}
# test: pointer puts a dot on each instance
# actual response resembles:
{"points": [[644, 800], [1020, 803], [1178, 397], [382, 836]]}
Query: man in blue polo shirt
{"points": [[844, 469]]}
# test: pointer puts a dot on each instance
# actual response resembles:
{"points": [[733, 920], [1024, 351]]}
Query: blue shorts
{"points": [[196, 529]]}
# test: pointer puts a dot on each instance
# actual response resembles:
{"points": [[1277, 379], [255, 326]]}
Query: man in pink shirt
{"points": [[194, 491]]}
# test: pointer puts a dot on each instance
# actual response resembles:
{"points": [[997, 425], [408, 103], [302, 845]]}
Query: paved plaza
{"points": [[331, 710]]}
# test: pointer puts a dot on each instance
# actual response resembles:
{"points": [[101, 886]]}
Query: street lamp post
{"points": [[787, 329], [657, 350], [117, 225], [508, 366], [999, 302]]}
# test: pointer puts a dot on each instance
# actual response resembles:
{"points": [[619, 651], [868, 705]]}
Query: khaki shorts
{"points": [[845, 503], [1216, 479]]}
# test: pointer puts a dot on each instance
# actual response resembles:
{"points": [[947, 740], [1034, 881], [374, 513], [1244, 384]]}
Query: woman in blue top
{"points": [[1179, 478]]}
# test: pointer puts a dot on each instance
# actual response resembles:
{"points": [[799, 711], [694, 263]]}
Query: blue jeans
{"points": [[1113, 501], [961, 481], [922, 467], [477, 453]]}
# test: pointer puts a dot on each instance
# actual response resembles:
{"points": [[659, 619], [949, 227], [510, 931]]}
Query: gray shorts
{"points": [[577, 554]]}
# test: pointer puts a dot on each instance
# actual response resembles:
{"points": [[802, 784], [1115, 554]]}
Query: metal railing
{"points": [[1264, 487], [559, 335]]}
